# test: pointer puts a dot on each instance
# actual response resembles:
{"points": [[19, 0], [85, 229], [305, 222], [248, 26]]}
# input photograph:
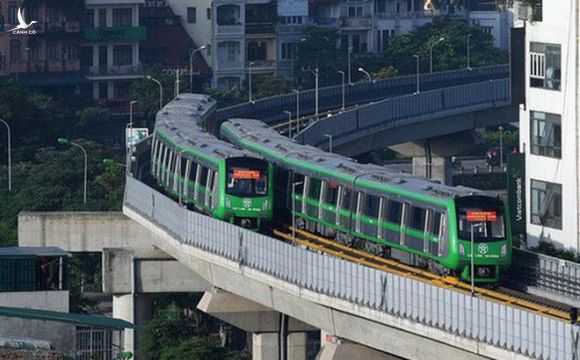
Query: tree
{"points": [[449, 54], [269, 85], [146, 92], [199, 349], [385, 73]]}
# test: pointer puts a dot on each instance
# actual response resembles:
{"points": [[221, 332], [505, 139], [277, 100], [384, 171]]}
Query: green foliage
{"points": [[227, 98], [550, 249], [198, 349], [449, 54], [147, 92], [164, 331], [385, 73], [269, 86]]}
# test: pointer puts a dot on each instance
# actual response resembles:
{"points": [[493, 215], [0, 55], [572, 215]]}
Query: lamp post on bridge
{"points": [[9, 154], [343, 90], [329, 142], [149, 77], [297, 92], [193, 52], [418, 72], [65, 141], [289, 113], [431, 53], [366, 73]]}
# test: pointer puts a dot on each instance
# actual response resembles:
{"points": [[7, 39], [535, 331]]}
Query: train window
{"points": [[299, 184], [435, 223], [394, 212], [346, 198], [247, 178], [161, 174], [167, 167], [184, 161], [215, 190], [208, 188], [193, 171], [202, 180], [417, 219], [331, 195], [314, 191], [372, 206], [177, 172]]}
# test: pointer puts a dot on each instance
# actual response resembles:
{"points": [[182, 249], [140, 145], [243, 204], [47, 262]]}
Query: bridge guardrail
{"points": [[271, 108], [488, 322], [404, 107], [544, 272]]}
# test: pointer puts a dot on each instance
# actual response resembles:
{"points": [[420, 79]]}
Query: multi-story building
{"points": [[109, 55], [549, 132], [46, 54]]}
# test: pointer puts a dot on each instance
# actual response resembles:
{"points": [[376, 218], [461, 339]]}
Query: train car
{"points": [[413, 219], [206, 173]]}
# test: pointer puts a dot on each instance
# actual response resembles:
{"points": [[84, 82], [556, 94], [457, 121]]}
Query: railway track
{"points": [[501, 294]]}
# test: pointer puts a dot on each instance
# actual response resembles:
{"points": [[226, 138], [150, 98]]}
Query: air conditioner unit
{"points": [[523, 12]]}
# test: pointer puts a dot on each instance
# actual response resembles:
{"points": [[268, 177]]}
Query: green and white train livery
{"points": [[206, 173], [413, 219]]}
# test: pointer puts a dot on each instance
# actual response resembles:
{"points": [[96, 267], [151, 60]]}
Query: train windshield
{"points": [[482, 213], [247, 177]]}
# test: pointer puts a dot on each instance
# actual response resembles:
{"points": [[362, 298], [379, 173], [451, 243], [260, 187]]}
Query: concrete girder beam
{"points": [[344, 350], [81, 231], [441, 146], [154, 272], [245, 314]]}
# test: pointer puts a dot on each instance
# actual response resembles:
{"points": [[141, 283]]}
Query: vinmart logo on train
{"points": [[23, 26]]}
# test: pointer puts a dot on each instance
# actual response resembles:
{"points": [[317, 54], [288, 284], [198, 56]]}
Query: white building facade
{"points": [[549, 125]]}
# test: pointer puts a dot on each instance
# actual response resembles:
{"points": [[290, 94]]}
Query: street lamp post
{"points": [[9, 155], [501, 148], [349, 52], [297, 106], [469, 51], [365, 72], [329, 142], [65, 141], [289, 113], [149, 77], [343, 90], [418, 71], [431, 54], [294, 184], [191, 65], [250, 81]]}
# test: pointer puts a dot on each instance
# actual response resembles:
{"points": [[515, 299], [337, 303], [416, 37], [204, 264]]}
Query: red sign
{"points": [[479, 216], [243, 174]]}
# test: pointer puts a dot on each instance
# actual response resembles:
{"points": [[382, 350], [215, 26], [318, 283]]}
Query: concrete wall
{"points": [[154, 272], [80, 231], [60, 335]]}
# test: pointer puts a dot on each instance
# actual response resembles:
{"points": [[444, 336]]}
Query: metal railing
{"points": [[491, 323], [377, 115], [553, 275], [271, 109]]}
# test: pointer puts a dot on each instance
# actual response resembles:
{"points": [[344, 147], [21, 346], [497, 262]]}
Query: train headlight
{"points": [[461, 250], [504, 250], [228, 203], [265, 205]]}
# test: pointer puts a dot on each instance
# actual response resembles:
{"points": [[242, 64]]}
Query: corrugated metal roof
{"points": [[72, 318], [33, 251]]}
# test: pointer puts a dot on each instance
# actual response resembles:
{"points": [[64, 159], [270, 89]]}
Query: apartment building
{"points": [[549, 133], [46, 54], [109, 52]]}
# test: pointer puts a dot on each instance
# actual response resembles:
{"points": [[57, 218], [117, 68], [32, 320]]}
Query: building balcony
{"points": [[224, 65], [262, 65], [356, 23], [327, 22], [108, 70], [237, 29], [127, 33], [260, 28]]}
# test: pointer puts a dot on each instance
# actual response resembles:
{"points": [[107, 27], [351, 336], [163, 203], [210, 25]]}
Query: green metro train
{"points": [[206, 173], [417, 220]]}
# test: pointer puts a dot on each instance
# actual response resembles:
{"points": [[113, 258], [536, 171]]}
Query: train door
{"points": [[198, 181], [208, 188], [186, 175], [177, 173], [404, 223], [382, 214], [313, 196], [329, 202]]}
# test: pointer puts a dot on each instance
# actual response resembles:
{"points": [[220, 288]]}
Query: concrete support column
{"points": [[136, 309], [265, 346], [297, 345], [440, 168]]}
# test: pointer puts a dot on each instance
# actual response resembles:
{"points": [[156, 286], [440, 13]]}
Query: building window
{"points": [[545, 66], [52, 51], [191, 15], [103, 88], [208, 13], [288, 50], [290, 20], [546, 134], [546, 204], [121, 89], [90, 18], [102, 17], [13, 12], [122, 55], [122, 17], [15, 47]]}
